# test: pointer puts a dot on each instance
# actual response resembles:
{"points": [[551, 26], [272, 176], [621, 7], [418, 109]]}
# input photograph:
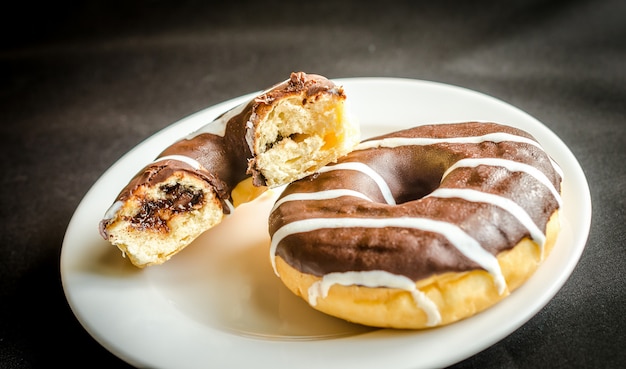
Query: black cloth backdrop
{"points": [[83, 83]]}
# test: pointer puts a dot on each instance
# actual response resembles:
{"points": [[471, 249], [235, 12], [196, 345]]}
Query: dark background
{"points": [[83, 83]]}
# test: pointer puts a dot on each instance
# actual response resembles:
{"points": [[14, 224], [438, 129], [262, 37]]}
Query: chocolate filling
{"points": [[155, 214]]}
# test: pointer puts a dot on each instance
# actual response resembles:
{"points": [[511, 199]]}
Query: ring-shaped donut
{"points": [[421, 227]]}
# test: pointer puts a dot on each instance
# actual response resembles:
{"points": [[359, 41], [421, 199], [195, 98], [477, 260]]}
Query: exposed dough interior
{"points": [[299, 137], [154, 210]]}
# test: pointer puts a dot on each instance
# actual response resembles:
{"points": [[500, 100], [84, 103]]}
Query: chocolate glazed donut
{"points": [[420, 227], [280, 135]]}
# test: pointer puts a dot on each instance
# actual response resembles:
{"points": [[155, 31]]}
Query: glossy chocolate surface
{"points": [[412, 172], [223, 149]]}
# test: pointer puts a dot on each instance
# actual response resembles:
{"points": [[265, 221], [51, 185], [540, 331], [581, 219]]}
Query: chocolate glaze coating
{"points": [[412, 172], [299, 84], [226, 159]]}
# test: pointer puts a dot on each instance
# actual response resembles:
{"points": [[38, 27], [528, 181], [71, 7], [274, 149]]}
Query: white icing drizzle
{"points": [[218, 126], [375, 278], [230, 207], [464, 243], [510, 165], [321, 195], [182, 158], [113, 209], [496, 137], [365, 169], [556, 167], [502, 202]]}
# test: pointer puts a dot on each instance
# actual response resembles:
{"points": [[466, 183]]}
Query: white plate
{"points": [[218, 303]]}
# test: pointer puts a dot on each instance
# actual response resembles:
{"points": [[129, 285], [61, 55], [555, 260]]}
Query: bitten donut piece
{"points": [[281, 135], [298, 130], [419, 228]]}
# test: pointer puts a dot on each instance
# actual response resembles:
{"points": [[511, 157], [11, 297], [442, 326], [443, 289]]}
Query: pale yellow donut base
{"points": [[457, 295], [146, 247]]}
